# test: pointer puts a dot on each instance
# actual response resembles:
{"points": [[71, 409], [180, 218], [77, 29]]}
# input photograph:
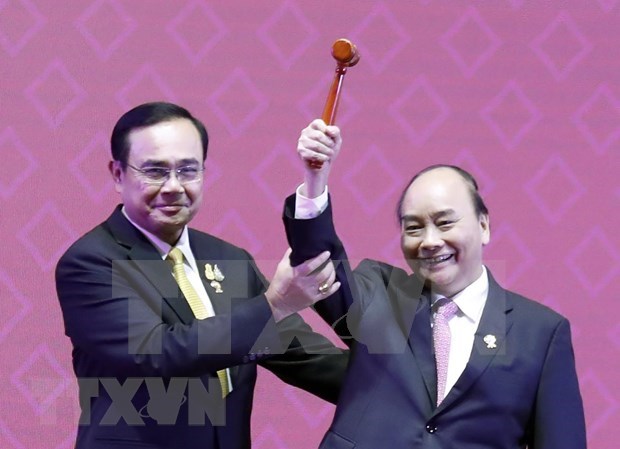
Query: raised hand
{"points": [[318, 142]]}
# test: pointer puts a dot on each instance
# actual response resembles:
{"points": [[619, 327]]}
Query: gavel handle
{"points": [[333, 98], [331, 105]]}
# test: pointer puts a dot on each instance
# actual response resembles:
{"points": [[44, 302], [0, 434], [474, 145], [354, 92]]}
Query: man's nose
{"points": [[172, 184], [431, 238]]}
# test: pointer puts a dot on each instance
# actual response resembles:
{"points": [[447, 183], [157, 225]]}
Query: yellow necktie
{"points": [[195, 303]]}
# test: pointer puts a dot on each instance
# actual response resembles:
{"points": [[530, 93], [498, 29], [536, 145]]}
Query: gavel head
{"points": [[345, 53]]}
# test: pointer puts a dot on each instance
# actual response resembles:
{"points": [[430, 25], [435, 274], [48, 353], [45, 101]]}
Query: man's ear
{"points": [[485, 228], [117, 173]]}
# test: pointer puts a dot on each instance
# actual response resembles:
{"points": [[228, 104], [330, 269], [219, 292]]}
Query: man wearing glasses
{"points": [[167, 323]]}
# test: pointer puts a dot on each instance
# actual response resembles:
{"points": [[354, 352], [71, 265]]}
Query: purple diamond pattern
{"points": [[312, 104], [41, 379], [598, 119], [313, 411], [87, 168], [13, 307], [511, 115], [238, 102], [17, 164], [470, 42], [561, 46], [281, 165], [372, 165], [600, 403], [47, 235], [595, 261], [145, 85], [106, 26], [554, 189], [419, 111], [509, 252], [55, 94], [523, 94], [233, 228], [380, 38], [20, 21], [196, 29], [302, 33]]}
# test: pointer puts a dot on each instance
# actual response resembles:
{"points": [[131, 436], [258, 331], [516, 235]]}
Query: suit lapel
{"points": [[421, 344], [489, 339], [147, 259]]}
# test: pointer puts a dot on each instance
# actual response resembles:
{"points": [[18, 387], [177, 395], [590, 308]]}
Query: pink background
{"points": [[525, 94]]}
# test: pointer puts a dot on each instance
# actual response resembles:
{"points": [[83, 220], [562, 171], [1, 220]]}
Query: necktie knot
{"points": [[446, 308], [176, 256]]}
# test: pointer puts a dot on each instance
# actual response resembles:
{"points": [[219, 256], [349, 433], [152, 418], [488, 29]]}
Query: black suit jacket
{"points": [[519, 388], [146, 367]]}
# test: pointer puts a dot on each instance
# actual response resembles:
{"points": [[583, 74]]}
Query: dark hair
{"points": [[149, 114], [479, 207]]}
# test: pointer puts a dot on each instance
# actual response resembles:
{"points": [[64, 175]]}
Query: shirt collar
{"points": [[164, 248], [471, 299]]}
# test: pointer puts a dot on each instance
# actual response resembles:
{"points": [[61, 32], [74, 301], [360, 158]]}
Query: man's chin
{"points": [[441, 285]]}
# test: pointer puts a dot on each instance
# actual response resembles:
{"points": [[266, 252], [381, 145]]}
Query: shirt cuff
{"points": [[306, 208]]}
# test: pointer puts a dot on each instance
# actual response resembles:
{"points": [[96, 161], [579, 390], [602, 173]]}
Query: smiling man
{"points": [[169, 323], [443, 357], [444, 225]]}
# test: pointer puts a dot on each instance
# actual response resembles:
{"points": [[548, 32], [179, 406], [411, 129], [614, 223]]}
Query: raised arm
{"points": [[318, 142]]}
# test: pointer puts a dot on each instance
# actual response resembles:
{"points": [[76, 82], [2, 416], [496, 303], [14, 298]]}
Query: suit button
{"points": [[431, 429], [245, 359]]}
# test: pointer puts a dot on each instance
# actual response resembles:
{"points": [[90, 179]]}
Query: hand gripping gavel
{"points": [[346, 55]]}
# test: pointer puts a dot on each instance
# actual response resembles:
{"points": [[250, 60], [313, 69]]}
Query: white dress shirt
{"points": [[306, 208], [464, 324]]}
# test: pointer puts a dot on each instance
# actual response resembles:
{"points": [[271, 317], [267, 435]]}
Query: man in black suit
{"points": [[444, 357], [167, 323]]}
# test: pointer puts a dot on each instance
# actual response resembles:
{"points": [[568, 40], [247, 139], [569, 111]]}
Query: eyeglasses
{"points": [[159, 175]]}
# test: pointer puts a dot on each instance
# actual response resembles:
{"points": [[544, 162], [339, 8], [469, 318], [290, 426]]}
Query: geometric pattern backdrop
{"points": [[525, 94]]}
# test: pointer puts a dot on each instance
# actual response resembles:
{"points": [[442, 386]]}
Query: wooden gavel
{"points": [[346, 55]]}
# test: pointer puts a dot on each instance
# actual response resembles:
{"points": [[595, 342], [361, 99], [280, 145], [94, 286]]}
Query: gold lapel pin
{"points": [[219, 276], [215, 275], [209, 274], [491, 341], [217, 286]]}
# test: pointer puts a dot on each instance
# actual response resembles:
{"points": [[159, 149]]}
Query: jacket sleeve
{"points": [[120, 325], [311, 362], [308, 238], [559, 418]]}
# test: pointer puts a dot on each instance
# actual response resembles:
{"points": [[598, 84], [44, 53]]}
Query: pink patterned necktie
{"points": [[446, 309]]}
